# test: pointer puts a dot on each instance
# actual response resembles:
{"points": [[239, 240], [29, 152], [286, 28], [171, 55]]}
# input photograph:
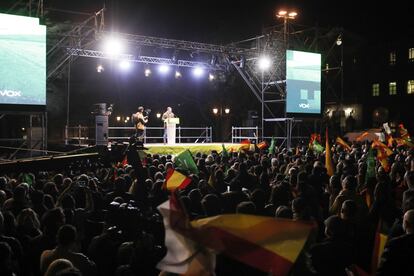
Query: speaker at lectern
{"points": [[171, 129]]}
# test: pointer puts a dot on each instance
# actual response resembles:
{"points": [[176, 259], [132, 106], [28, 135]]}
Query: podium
{"points": [[171, 129]]}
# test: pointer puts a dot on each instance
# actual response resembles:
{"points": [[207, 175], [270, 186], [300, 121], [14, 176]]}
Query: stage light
{"points": [[100, 68], [127, 118], [164, 68], [227, 110], [113, 46], [118, 118], [126, 121], [264, 63], [125, 65], [198, 72], [211, 77], [215, 110], [147, 72], [178, 74], [158, 115]]}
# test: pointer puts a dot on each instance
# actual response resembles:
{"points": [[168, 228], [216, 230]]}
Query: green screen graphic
{"points": [[303, 82], [22, 60]]}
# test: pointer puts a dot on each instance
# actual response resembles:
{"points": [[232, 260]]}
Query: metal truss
{"points": [[183, 45], [145, 59]]}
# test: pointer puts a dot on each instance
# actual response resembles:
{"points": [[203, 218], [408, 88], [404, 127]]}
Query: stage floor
{"points": [[164, 149]]}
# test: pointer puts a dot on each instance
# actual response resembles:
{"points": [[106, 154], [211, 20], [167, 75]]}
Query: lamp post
{"points": [[220, 114], [285, 15]]}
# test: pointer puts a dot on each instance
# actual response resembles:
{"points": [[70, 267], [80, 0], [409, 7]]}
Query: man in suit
{"points": [[165, 116]]}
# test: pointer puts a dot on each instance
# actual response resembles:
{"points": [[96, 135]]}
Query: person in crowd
{"points": [[398, 253], [65, 249]]}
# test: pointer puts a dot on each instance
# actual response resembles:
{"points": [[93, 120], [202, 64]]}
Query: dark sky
{"points": [[212, 20], [215, 21]]}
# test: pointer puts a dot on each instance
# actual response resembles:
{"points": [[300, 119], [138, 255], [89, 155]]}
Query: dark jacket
{"points": [[398, 256]]}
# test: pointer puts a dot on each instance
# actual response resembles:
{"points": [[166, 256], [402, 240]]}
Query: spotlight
{"points": [[215, 110], [264, 63], [164, 68], [178, 74], [227, 110], [113, 46], [127, 118], [118, 118], [158, 115], [147, 72], [100, 68], [125, 65], [211, 77], [198, 72]]}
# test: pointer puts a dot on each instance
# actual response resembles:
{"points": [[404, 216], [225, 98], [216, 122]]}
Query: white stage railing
{"points": [[156, 134], [239, 134]]}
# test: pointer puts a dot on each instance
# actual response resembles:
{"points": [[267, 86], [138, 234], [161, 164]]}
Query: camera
{"points": [[147, 112]]}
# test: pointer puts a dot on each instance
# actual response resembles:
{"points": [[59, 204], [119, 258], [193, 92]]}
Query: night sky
{"points": [[218, 22]]}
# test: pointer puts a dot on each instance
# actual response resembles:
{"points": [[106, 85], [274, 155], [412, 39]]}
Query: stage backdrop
{"points": [[22, 60], [303, 82]]}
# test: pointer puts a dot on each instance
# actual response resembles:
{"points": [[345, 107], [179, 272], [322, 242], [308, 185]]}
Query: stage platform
{"points": [[194, 148]]}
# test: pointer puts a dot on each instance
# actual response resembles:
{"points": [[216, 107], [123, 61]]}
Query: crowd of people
{"points": [[92, 219]]}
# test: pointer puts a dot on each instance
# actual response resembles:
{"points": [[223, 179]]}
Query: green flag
{"points": [[370, 165], [224, 152], [185, 162], [317, 147], [272, 146]]}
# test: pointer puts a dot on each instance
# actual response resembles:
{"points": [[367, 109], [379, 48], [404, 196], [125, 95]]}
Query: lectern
{"points": [[171, 127]]}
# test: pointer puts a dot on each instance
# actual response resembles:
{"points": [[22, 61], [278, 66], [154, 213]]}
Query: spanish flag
{"points": [[343, 144], [262, 145], [404, 132], [271, 245], [176, 180], [381, 238], [362, 136], [328, 155], [382, 154]]}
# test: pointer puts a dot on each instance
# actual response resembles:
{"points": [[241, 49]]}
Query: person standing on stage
{"points": [[167, 115], [139, 121]]}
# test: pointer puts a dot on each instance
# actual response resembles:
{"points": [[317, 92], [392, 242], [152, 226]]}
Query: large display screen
{"points": [[22, 60], [303, 82]]}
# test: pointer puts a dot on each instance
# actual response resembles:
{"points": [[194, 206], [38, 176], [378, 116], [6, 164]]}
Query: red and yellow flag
{"points": [[381, 238], [343, 144], [176, 180], [271, 245], [362, 136], [403, 132], [328, 155], [382, 154], [262, 145]]}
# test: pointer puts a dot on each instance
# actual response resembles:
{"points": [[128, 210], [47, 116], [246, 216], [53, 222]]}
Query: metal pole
{"points": [[262, 126], [68, 102]]}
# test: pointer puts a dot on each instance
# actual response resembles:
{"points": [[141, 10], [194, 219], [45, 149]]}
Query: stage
{"points": [[159, 148]]}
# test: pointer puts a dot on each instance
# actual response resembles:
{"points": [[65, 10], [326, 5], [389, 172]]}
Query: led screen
{"points": [[303, 82], [22, 60]]}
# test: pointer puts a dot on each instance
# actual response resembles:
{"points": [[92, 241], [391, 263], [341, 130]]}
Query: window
{"points": [[375, 89], [410, 87], [393, 58], [411, 54], [393, 88]]}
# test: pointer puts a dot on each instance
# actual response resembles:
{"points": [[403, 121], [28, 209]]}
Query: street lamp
{"points": [[286, 15]]}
